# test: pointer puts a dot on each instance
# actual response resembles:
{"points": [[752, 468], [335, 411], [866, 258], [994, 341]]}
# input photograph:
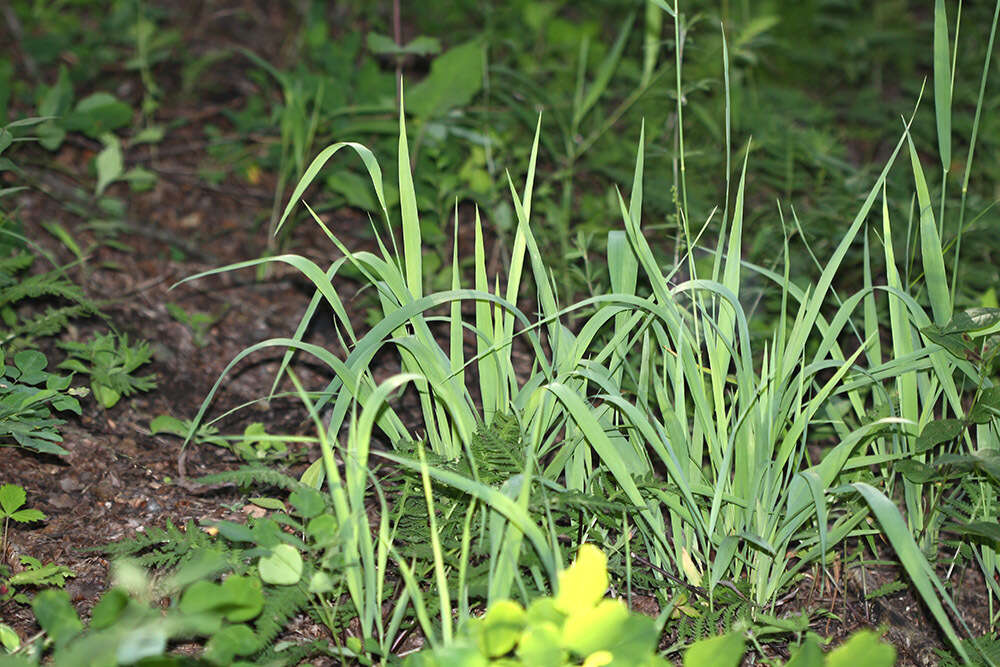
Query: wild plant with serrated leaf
{"points": [[28, 395], [109, 360], [232, 586], [17, 570]]}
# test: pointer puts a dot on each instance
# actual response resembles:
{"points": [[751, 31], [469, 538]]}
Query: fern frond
{"points": [[250, 476]]}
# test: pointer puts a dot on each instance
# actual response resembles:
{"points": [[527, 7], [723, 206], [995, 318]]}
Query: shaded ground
{"points": [[119, 479]]}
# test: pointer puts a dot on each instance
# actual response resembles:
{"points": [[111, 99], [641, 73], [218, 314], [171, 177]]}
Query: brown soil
{"points": [[118, 478]]}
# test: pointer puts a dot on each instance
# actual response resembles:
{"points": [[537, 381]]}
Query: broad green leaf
{"points": [[455, 77], [146, 641], [244, 598], [985, 460], [27, 516], [501, 628], [109, 162], [108, 609], [590, 629], [808, 654], [539, 646], [229, 642], [987, 406], [283, 567], [10, 639], [12, 497], [936, 432], [583, 584], [272, 504], [973, 319], [915, 471], [863, 648], [56, 615], [31, 364], [383, 45], [59, 97], [988, 529], [97, 114], [308, 502], [722, 651]]}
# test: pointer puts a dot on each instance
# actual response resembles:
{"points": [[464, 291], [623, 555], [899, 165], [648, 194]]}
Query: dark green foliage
{"points": [[28, 395], [247, 477], [983, 651], [697, 620], [160, 547], [496, 449], [22, 324], [110, 362], [280, 605]]}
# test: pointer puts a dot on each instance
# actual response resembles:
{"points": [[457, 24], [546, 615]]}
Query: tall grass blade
{"points": [[942, 83], [913, 561], [412, 246], [931, 253]]}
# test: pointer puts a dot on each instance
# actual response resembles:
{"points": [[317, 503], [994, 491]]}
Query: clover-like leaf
{"points": [[283, 567], [593, 629], [12, 497], [863, 648], [501, 628], [582, 584], [722, 651]]}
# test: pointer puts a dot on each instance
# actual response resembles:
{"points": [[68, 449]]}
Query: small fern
{"points": [[280, 605], [250, 476], [23, 324], [887, 588], [160, 547], [983, 651]]}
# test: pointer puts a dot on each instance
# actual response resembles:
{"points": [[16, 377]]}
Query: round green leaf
{"points": [[539, 646], [108, 610], [308, 502], [146, 641], [283, 567], [583, 583], [863, 648], [722, 651], [229, 642], [594, 628], [501, 628]]}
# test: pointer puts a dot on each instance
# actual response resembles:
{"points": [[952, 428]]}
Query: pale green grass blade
{"points": [[972, 144], [799, 335], [916, 566], [520, 238], [417, 595], [410, 220], [489, 370], [729, 127], [441, 579], [610, 455], [456, 352], [376, 338], [651, 41], [819, 502], [604, 73], [942, 83], [367, 157], [931, 253], [870, 310]]}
